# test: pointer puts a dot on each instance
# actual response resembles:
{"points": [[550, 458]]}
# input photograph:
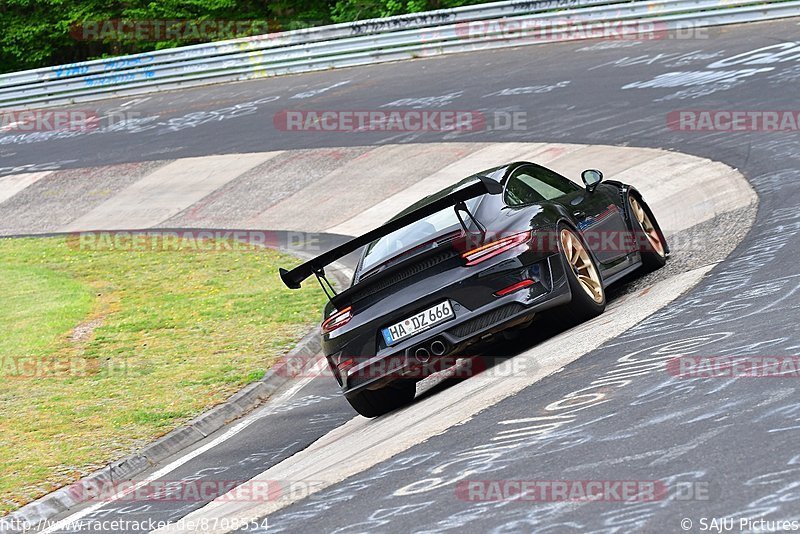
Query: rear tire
{"points": [[373, 403], [650, 240], [583, 277]]}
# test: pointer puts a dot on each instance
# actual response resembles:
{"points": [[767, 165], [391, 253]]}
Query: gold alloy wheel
{"points": [[582, 265], [647, 226]]}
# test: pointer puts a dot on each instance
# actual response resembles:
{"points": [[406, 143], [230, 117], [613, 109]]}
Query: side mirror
{"points": [[591, 178]]}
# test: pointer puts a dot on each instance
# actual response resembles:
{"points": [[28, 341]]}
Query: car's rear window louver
{"points": [[395, 280]]}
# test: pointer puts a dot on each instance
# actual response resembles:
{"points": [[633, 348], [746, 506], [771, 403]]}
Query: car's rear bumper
{"points": [[458, 335]]}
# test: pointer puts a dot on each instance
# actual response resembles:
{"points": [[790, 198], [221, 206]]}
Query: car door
{"points": [[595, 213], [600, 221]]}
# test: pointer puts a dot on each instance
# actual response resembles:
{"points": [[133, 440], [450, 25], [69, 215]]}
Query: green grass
{"points": [[126, 346]]}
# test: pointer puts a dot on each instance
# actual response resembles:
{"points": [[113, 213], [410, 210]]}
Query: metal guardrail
{"points": [[482, 26]]}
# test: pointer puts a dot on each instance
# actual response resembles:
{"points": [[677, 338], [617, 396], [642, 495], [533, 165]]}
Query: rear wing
{"points": [[482, 186]]}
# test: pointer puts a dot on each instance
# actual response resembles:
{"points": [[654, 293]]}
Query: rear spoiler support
{"points": [[462, 206], [483, 186], [324, 283]]}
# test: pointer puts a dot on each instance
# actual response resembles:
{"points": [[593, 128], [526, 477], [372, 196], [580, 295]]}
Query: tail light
{"points": [[340, 318], [343, 364], [515, 287], [494, 248]]}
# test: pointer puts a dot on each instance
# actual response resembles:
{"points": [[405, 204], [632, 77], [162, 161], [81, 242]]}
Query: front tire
{"points": [[583, 277], [649, 238], [373, 403]]}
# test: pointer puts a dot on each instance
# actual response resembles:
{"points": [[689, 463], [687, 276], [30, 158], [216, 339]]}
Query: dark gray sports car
{"points": [[471, 261]]}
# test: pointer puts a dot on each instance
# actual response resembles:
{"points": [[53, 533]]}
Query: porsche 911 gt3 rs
{"points": [[473, 260]]}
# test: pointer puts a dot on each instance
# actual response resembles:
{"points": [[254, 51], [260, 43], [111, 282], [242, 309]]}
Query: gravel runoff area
{"points": [[703, 244]]}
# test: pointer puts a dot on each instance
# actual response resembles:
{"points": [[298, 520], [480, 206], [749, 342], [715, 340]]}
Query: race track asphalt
{"points": [[723, 448]]}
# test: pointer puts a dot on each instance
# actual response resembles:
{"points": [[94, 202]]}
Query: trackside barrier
{"points": [[477, 27]]}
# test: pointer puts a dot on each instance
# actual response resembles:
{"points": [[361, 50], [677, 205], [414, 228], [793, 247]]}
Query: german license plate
{"points": [[419, 322]]}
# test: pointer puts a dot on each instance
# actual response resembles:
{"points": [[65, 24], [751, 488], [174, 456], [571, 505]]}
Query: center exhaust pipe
{"points": [[438, 348], [422, 354]]}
